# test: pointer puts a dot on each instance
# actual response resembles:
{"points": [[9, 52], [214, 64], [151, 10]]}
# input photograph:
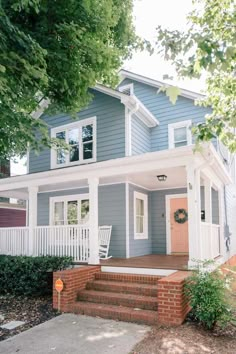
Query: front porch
{"points": [[126, 194], [152, 261]]}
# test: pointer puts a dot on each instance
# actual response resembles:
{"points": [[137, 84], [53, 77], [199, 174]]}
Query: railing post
{"points": [[93, 221], [33, 193]]}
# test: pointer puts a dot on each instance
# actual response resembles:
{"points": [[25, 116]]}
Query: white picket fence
{"points": [[210, 237], [63, 240]]}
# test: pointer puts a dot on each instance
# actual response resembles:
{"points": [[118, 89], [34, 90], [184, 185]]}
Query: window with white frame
{"points": [[69, 210], [180, 134], [140, 216], [81, 138]]}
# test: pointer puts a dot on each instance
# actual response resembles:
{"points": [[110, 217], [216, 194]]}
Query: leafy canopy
{"points": [[56, 50], [208, 47]]}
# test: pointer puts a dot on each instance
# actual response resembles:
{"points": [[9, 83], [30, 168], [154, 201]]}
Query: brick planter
{"points": [[74, 280], [173, 306]]}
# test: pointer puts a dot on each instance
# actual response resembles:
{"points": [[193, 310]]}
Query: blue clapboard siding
{"points": [[139, 247], [110, 115], [167, 113], [140, 137], [158, 217], [111, 201], [111, 211]]}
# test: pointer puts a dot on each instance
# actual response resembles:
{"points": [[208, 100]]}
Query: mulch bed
{"points": [[32, 311], [189, 338]]}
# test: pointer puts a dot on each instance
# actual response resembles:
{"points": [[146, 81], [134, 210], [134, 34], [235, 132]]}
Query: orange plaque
{"points": [[59, 285]]}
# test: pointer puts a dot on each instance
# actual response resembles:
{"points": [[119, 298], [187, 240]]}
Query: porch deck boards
{"points": [[154, 261]]}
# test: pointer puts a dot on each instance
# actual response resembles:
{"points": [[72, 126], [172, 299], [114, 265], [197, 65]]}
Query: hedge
{"points": [[29, 276]]}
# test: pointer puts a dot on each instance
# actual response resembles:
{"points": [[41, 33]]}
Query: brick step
{"points": [[122, 287], [127, 300], [115, 312], [131, 278]]}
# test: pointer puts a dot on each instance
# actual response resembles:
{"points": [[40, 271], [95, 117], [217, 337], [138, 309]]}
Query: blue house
{"points": [[132, 166]]}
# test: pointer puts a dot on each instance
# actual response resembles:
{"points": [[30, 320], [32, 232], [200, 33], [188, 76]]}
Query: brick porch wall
{"points": [[173, 306], [74, 280]]}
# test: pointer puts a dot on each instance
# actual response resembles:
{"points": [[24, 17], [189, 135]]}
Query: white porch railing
{"points": [[14, 241], [61, 240], [210, 237]]}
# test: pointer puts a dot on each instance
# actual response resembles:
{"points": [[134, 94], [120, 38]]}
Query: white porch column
{"points": [[221, 222], [32, 216], [93, 217], [194, 214], [208, 211]]}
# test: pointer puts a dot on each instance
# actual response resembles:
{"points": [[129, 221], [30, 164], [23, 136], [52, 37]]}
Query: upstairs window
{"points": [[180, 134], [81, 138]]}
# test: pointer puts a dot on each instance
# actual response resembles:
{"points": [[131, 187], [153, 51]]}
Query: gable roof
{"points": [[131, 102], [125, 74]]}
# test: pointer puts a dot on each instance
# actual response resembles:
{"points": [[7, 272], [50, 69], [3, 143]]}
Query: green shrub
{"points": [[208, 293], [29, 276]]}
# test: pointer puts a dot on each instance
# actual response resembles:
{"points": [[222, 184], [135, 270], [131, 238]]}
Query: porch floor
{"points": [[155, 261]]}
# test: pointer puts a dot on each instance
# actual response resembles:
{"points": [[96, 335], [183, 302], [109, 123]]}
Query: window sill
{"points": [[141, 237], [77, 163]]}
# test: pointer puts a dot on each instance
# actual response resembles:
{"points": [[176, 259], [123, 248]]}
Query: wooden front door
{"points": [[178, 232]]}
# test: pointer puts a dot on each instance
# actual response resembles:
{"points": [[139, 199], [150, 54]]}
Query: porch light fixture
{"points": [[161, 178]]}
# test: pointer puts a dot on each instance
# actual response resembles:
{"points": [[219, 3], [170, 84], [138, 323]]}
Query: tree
{"points": [[208, 46], [56, 50]]}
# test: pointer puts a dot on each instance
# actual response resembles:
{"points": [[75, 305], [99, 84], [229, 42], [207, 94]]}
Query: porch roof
{"points": [[117, 168]]}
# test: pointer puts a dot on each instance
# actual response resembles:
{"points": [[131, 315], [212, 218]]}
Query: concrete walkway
{"points": [[75, 334]]}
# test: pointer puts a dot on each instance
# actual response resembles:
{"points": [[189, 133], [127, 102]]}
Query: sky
{"points": [[148, 14]]}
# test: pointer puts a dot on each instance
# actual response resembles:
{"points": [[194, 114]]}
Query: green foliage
{"points": [[208, 293], [56, 50], [208, 47], [29, 276]]}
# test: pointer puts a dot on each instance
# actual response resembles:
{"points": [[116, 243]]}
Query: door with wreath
{"points": [[179, 225]]}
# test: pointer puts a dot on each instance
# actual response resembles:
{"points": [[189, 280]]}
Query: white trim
{"points": [[168, 197], [182, 124], [127, 219], [143, 271], [66, 127], [120, 166], [128, 133], [14, 207], [144, 198], [65, 198], [125, 87], [155, 83]]}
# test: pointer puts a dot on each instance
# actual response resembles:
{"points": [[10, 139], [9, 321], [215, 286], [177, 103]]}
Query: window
{"points": [[180, 134], [140, 216], [127, 89], [81, 138], [69, 210]]}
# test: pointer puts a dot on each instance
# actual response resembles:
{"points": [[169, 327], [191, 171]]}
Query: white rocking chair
{"points": [[104, 237]]}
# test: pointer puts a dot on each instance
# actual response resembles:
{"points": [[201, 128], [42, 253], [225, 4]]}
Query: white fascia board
{"points": [[131, 102], [155, 83], [138, 163]]}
